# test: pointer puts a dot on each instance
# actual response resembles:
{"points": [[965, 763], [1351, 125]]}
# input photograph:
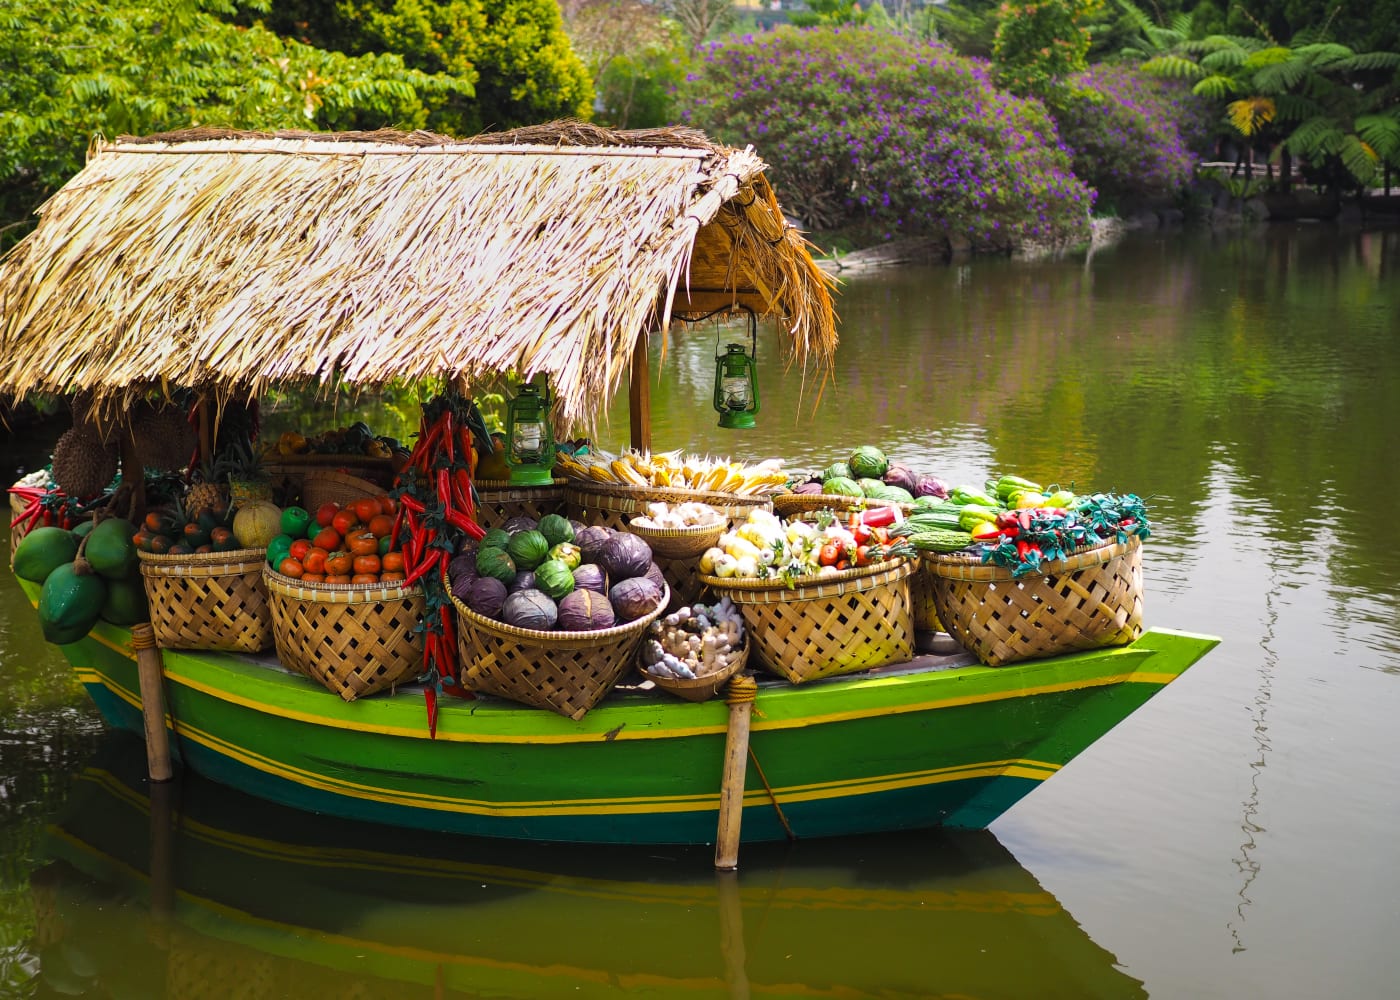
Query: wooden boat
{"points": [[938, 741], [134, 896], [373, 258]]}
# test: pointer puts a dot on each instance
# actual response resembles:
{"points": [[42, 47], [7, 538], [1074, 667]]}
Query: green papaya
{"points": [[82, 528], [42, 551], [126, 603], [70, 603], [110, 549]]}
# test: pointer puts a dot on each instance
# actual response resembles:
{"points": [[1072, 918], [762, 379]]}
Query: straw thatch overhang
{"points": [[230, 262]]}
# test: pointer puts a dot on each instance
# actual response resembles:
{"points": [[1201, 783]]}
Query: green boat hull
{"points": [[907, 749]]}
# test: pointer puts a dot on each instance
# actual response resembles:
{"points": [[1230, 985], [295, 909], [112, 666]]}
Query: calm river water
{"points": [[1233, 838]]}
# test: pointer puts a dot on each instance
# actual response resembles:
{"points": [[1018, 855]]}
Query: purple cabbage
{"points": [[901, 476], [624, 556], [930, 486], [591, 539], [486, 595], [633, 598], [590, 576]]}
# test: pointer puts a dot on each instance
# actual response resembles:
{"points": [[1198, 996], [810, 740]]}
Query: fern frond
{"points": [[1217, 88], [1280, 78], [1295, 108], [1173, 67], [1364, 61], [1272, 56], [1381, 133], [1222, 60], [1316, 136], [1323, 53], [1359, 159], [1249, 116]]}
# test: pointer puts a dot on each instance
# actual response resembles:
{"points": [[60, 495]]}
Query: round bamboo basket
{"points": [[680, 543], [1089, 600], [214, 600], [699, 688], [614, 505], [498, 501], [921, 603], [322, 486], [826, 625], [565, 672], [354, 639], [789, 504]]}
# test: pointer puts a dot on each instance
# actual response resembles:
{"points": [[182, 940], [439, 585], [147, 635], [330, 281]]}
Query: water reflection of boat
{"points": [[285, 903]]}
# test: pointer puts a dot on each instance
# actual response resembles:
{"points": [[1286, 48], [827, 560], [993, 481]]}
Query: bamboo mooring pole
{"points": [[740, 694], [149, 670], [639, 397]]}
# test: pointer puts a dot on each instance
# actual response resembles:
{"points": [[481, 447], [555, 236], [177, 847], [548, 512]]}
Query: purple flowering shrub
{"points": [[1134, 136], [860, 123]]}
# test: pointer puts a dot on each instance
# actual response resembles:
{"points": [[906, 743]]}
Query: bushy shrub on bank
{"points": [[862, 123], [1135, 138]]}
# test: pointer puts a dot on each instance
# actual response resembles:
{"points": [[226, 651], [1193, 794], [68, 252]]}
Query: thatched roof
{"points": [[235, 261]]}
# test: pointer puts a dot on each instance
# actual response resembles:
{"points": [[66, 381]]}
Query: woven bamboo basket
{"points": [[354, 639], [789, 504], [322, 486], [921, 603], [614, 505], [700, 688], [565, 672], [213, 600], [826, 625], [680, 543], [289, 472], [499, 501], [1089, 600]]}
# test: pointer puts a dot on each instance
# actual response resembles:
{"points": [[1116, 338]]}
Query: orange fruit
{"points": [[391, 562], [299, 549], [362, 543], [325, 513], [313, 578], [380, 525], [390, 576], [337, 578], [315, 562], [340, 564], [291, 567], [365, 578], [387, 505], [327, 540], [366, 564]]}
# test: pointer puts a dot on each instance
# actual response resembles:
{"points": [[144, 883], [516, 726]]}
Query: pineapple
{"points": [[247, 479], [208, 491]]}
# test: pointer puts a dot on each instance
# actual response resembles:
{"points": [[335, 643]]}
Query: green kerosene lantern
{"points": [[736, 382], [530, 437]]}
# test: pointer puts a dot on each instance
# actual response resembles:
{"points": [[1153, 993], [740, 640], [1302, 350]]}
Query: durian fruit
{"points": [[163, 436], [82, 464]]}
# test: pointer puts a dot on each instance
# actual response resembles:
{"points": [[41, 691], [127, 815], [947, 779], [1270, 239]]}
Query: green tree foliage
{"points": [[636, 55], [1337, 109], [1039, 44], [515, 52], [84, 68]]}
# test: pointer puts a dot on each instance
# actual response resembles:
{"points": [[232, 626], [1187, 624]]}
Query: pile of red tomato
{"points": [[348, 544]]}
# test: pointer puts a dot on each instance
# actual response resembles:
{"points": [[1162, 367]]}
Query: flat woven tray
{"points": [[700, 688], [826, 625], [356, 640], [213, 600], [565, 672], [1089, 600], [680, 543]]}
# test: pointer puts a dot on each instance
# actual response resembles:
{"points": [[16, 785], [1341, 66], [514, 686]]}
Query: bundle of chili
{"points": [[437, 509]]}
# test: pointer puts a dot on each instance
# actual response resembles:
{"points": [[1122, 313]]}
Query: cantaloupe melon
{"points": [[257, 523]]}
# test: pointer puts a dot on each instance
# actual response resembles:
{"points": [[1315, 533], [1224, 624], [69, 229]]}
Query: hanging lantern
{"points": [[736, 382], [530, 437]]}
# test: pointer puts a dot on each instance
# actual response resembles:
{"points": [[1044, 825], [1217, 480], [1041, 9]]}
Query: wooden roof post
{"points": [[639, 397]]}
